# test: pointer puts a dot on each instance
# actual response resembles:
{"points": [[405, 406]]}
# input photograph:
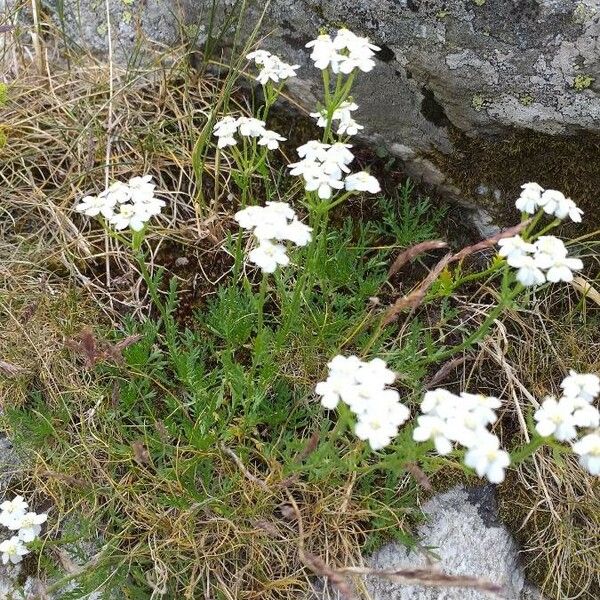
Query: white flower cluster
{"points": [[276, 221], [124, 205], [448, 419], [544, 260], [362, 386], [343, 53], [561, 418], [227, 127], [346, 125], [14, 515], [272, 67], [324, 166], [553, 202]]}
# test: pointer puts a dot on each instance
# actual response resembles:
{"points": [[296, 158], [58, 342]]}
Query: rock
{"points": [[463, 530], [448, 70]]}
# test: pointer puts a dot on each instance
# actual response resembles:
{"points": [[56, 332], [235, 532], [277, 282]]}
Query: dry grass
{"points": [[551, 503], [71, 129]]}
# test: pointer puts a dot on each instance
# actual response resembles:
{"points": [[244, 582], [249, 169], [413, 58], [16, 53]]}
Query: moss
{"points": [[526, 99], [478, 101], [582, 82], [479, 2], [569, 164]]}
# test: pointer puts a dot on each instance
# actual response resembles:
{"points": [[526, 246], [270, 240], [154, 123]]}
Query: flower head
{"points": [[30, 526], [268, 256], [362, 182], [581, 385], [529, 273], [92, 206], [432, 427], [12, 511], [588, 450], [529, 200], [512, 248], [13, 550], [555, 418], [270, 139], [488, 459]]}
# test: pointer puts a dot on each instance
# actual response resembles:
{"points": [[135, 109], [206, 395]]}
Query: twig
{"points": [[236, 459], [414, 251]]}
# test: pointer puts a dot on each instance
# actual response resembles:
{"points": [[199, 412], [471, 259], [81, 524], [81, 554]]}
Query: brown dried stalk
{"points": [[95, 351], [413, 299], [249, 476], [444, 371], [429, 577], [419, 476], [414, 251], [489, 242], [11, 370]]}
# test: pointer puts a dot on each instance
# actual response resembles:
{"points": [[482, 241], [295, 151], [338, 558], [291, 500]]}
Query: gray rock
{"points": [[463, 527], [463, 531], [480, 68]]}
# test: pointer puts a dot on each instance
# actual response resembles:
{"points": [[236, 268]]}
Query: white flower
{"points": [[258, 56], [224, 129], [30, 526], [270, 139], [439, 402], [431, 427], [251, 127], [362, 182], [313, 150], [13, 550], [376, 427], [581, 385], [556, 419], [283, 209], [273, 68], [342, 371], [530, 197], [466, 428], [359, 52], [92, 206], [482, 407], [588, 449], [149, 208], [318, 180], [339, 154], [296, 232], [249, 217], [488, 459], [528, 272], [129, 216], [512, 248], [562, 269], [585, 415], [568, 208], [142, 189], [268, 256], [551, 200], [12, 511], [324, 53], [375, 372], [118, 192], [548, 249]]}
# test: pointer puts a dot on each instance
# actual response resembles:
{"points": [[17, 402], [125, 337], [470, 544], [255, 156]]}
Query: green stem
{"points": [[262, 295], [526, 451]]}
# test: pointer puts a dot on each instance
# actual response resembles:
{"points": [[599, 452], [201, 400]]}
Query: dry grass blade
{"points": [[335, 577], [491, 241], [586, 289], [249, 476], [414, 298], [414, 251], [419, 476], [11, 370], [428, 578], [442, 373]]}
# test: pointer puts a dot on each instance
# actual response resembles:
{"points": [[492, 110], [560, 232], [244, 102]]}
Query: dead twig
{"points": [[236, 459], [412, 252], [442, 373], [429, 577], [413, 299]]}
